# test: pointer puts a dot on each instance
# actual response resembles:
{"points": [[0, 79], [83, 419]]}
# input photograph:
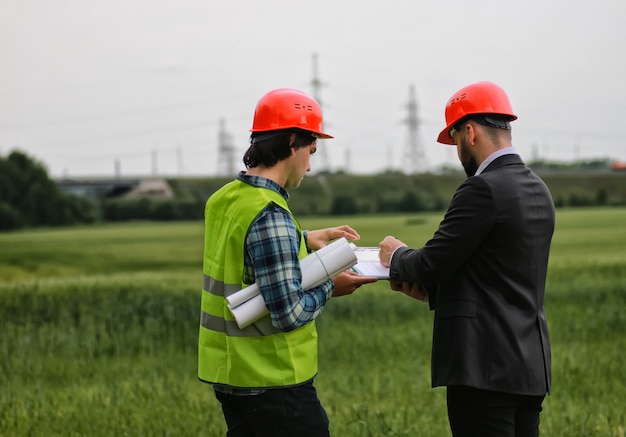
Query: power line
{"points": [[99, 117]]}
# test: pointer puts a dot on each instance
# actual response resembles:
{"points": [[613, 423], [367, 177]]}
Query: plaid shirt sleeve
{"points": [[271, 259]]}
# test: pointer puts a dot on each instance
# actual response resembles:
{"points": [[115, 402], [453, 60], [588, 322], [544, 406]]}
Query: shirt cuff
{"points": [[394, 273], [305, 233], [393, 253]]}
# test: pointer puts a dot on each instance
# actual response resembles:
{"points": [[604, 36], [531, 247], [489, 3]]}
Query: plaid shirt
{"points": [[271, 260]]}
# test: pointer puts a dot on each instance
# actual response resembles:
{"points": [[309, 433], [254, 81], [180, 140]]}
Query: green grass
{"points": [[102, 249], [99, 327]]}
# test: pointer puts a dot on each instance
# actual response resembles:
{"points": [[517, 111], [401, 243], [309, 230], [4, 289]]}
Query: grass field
{"points": [[99, 326]]}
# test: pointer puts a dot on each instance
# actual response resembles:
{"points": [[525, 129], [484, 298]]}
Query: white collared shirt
{"points": [[498, 153]]}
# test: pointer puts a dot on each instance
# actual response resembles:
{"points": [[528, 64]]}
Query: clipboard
{"points": [[368, 263]]}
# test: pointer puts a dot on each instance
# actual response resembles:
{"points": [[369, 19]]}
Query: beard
{"points": [[467, 160]]}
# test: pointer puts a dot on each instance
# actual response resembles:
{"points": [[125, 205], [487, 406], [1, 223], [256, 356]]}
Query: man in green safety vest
{"points": [[263, 374]]}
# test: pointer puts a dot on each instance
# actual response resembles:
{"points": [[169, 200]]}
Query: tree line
{"points": [[29, 198]]}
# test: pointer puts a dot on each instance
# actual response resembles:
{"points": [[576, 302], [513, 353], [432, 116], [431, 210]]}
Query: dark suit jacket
{"points": [[485, 269]]}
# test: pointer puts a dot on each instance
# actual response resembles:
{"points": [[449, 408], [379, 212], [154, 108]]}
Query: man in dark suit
{"points": [[484, 273]]}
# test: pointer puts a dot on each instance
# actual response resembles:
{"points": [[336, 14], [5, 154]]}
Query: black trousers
{"points": [[278, 412], [481, 413]]}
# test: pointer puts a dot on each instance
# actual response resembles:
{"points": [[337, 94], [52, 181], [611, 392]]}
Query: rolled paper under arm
{"points": [[247, 305]]}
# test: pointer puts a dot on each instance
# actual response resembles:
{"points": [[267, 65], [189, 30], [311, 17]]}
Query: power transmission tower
{"points": [[155, 159], [415, 155], [225, 152], [316, 85], [179, 160]]}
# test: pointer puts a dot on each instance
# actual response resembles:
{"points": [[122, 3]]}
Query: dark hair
{"points": [[267, 148], [496, 125]]}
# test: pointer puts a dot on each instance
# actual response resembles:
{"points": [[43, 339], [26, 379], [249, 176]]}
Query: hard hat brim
{"points": [[320, 135], [445, 138]]}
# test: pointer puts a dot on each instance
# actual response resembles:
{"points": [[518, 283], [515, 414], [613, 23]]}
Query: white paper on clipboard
{"points": [[368, 263]]}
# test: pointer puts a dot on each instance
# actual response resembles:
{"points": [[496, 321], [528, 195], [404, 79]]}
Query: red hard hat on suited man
{"points": [[477, 98], [286, 108]]}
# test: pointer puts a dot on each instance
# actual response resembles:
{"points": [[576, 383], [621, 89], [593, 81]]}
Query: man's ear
{"points": [[470, 128], [292, 139]]}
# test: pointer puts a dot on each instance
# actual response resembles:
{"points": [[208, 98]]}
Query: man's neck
{"points": [[273, 173]]}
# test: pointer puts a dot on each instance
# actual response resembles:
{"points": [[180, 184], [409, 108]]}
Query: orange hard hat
{"points": [[286, 108], [478, 98]]}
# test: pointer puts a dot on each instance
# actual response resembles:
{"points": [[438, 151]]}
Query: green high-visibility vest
{"points": [[260, 355]]}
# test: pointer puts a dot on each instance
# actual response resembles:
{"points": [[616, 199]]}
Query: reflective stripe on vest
{"points": [[217, 323], [260, 355]]}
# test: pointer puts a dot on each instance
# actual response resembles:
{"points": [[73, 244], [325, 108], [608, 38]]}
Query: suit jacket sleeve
{"points": [[469, 218]]}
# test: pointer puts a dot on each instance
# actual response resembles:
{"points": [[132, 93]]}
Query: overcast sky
{"points": [[84, 84]]}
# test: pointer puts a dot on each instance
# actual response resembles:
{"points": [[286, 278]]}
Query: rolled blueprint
{"points": [[247, 305], [242, 296], [250, 311]]}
